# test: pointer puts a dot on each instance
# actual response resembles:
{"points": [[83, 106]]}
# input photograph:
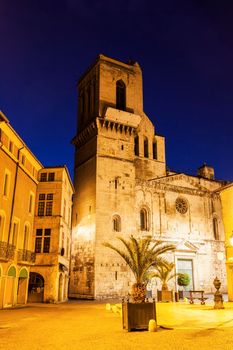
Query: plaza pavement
{"points": [[87, 325]]}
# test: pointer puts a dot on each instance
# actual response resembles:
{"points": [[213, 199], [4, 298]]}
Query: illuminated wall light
{"points": [[231, 239]]}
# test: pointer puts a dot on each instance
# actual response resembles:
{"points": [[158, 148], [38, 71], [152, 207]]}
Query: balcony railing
{"points": [[7, 251], [26, 256]]}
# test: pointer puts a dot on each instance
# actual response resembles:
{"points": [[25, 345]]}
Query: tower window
{"points": [[155, 150], [215, 228], [136, 146], [116, 223], [144, 225], [146, 150], [120, 95], [115, 183]]}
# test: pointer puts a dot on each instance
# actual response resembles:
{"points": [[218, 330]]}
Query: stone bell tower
{"points": [[115, 144]]}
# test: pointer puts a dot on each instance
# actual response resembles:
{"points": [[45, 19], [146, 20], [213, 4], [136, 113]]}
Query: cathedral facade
{"points": [[123, 188]]}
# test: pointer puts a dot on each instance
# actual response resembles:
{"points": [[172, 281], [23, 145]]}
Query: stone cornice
{"points": [[92, 130], [163, 187], [85, 135], [116, 125]]}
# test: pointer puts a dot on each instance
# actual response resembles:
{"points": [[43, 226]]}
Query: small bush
{"points": [[183, 279]]}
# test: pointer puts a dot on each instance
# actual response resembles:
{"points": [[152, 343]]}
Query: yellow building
{"points": [[227, 212], [18, 183], [52, 236]]}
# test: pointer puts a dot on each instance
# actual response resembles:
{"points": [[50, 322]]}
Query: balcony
{"points": [[7, 251], [26, 256]]}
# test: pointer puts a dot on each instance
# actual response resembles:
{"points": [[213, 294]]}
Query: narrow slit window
{"points": [[116, 223], [215, 228], [144, 226]]}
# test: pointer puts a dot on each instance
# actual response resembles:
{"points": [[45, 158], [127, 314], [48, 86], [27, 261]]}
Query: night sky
{"points": [[185, 49]]}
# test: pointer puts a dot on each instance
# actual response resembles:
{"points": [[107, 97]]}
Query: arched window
{"points": [[155, 150], [146, 150], [215, 228], [120, 95], [11, 271], [144, 224], [26, 237], [116, 223], [14, 233], [136, 145]]}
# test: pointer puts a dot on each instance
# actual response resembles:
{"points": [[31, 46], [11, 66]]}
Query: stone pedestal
{"points": [[218, 299]]}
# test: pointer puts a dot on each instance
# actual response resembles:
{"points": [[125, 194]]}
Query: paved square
{"points": [[88, 325]]}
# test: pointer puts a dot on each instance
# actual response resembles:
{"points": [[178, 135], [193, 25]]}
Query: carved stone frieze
{"points": [[85, 135]]}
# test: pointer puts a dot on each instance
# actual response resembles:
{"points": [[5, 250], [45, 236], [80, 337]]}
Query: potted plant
{"points": [[183, 280], [140, 255], [164, 272]]}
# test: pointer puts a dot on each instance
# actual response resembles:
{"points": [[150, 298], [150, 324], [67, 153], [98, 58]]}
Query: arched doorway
{"points": [[60, 287], [36, 288], [22, 286], [9, 295]]}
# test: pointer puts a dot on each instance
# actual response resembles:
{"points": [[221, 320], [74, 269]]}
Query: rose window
{"points": [[181, 205]]}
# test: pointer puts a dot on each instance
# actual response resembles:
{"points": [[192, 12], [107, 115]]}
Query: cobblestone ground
{"points": [[88, 325]]}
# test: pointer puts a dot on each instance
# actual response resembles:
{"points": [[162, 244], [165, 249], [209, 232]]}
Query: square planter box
{"points": [[164, 295], [137, 315]]}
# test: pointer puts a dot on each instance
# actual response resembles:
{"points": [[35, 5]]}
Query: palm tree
{"points": [[165, 273], [140, 255]]}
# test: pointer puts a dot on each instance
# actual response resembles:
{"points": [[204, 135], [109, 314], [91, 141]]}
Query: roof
{"points": [[128, 65]]}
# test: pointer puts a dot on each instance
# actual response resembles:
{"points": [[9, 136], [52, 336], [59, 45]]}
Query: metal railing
{"points": [[26, 256], [7, 251]]}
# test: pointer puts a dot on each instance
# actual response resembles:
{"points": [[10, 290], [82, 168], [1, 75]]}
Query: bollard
{"points": [[108, 307], [152, 327]]}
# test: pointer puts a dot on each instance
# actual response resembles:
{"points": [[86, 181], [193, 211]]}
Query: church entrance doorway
{"points": [[186, 266]]}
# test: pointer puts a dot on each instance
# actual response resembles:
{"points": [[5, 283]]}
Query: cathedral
{"points": [[123, 188]]}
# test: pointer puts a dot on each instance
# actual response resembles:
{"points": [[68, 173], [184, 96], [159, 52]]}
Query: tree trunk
{"points": [[138, 292], [164, 286]]}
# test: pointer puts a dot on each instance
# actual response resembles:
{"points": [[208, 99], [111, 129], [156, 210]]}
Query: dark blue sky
{"points": [[185, 49]]}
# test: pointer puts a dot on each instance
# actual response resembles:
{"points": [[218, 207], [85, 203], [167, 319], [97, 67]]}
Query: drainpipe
{"points": [[13, 198]]}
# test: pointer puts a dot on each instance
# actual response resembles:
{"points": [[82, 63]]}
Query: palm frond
{"points": [[142, 254]]}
